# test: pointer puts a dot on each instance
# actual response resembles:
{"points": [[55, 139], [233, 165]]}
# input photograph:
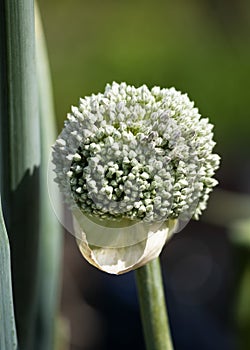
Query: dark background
{"points": [[201, 47]]}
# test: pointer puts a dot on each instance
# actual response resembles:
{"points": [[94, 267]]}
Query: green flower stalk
{"points": [[133, 163]]}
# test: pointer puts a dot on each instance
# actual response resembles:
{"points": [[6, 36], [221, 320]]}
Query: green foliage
{"points": [[27, 131], [50, 244], [8, 340], [21, 161]]}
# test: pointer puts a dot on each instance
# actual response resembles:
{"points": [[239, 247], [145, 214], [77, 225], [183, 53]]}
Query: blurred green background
{"points": [[201, 47]]}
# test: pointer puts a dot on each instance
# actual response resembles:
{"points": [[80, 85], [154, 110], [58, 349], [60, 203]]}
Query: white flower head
{"points": [[133, 161]]}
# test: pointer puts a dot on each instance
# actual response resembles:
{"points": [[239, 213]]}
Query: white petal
{"points": [[120, 258]]}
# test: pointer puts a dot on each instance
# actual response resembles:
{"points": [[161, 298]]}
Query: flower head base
{"points": [[137, 155]]}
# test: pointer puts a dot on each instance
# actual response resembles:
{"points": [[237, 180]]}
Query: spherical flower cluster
{"points": [[132, 163], [136, 153]]}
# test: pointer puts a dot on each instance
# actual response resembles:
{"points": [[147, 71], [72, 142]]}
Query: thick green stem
{"points": [[153, 308]]}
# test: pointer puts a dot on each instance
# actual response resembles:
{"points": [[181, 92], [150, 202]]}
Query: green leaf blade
{"points": [[50, 244], [8, 339], [20, 157]]}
